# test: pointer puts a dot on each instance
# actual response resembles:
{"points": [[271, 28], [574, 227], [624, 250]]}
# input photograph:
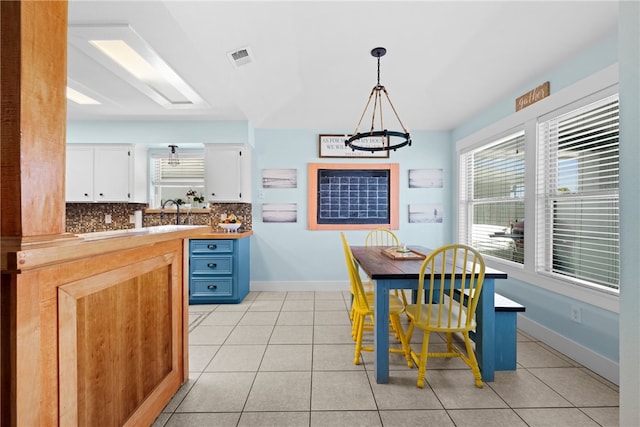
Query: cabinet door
{"points": [[223, 178], [79, 174], [112, 174]]}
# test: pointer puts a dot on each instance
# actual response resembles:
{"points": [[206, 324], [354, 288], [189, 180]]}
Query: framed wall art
{"points": [[279, 178], [426, 178], [279, 212], [426, 213]]}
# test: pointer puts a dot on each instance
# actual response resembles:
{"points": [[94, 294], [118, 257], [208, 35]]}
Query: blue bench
{"points": [[506, 331]]}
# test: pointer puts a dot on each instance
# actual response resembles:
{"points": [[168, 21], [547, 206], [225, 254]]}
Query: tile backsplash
{"points": [[91, 217]]}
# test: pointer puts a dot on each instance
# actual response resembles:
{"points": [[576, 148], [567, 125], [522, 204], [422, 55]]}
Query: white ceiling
{"points": [[312, 68]]}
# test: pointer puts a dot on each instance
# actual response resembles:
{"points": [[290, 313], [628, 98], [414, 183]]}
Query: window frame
{"points": [[585, 91], [543, 238], [154, 154], [466, 200]]}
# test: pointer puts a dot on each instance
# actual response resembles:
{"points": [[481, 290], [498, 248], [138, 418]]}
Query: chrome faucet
{"points": [[175, 202]]}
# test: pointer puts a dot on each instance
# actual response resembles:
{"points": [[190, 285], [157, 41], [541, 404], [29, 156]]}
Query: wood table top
{"points": [[378, 266]]}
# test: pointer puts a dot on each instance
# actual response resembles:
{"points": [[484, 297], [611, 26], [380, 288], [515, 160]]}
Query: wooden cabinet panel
{"points": [[100, 330], [116, 342]]}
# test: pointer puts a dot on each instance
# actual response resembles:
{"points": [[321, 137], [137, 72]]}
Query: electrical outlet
{"points": [[132, 219], [576, 314], [107, 219]]}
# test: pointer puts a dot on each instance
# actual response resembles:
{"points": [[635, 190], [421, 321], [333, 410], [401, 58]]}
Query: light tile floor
{"points": [[286, 359]]}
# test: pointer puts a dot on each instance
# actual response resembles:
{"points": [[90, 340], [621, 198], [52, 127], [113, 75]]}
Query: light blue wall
{"points": [[598, 330], [289, 252], [594, 59]]}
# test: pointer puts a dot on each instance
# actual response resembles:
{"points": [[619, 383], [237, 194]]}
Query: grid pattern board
{"points": [[353, 196]]}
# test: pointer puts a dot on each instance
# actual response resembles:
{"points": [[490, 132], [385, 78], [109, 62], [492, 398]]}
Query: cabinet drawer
{"points": [[211, 287], [212, 264], [201, 247]]}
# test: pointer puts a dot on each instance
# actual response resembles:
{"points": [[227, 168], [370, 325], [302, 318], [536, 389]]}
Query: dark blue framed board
{"points": [[347, 196]]}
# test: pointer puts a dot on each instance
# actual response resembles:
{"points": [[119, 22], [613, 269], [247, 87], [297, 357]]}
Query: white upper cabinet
{"points": [[112, 174], [79, 174], [100, 173], [228, 173]]}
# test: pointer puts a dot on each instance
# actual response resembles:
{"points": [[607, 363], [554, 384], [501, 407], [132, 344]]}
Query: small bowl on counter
{"points": [[230, 227]]}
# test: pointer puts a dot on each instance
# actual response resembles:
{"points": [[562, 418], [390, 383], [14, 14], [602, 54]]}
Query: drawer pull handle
{"points": [[212, 287], [212, 265], [212, 246]]}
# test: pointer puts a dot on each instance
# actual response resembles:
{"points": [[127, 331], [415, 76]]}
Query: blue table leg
{"points": [[485, 332], [381, 331]]}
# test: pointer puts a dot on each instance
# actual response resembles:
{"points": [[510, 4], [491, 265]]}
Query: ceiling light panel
{"points": [[121, 50], [80, 98]]}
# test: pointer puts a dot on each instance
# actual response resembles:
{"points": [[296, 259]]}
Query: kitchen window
{"points": [[173, 181]]}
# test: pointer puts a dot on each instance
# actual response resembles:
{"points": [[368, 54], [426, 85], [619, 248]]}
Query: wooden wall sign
{"points": [[533, 96]]}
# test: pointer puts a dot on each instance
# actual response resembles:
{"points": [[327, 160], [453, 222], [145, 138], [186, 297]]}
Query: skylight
{"points": [[80, 98], [121, 50]]}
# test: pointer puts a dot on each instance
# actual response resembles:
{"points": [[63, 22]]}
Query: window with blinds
{"points": [[173, 181], [492, 198], [577, 190]]}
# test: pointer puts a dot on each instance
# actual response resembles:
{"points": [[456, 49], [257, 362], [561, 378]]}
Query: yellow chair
{"points": [[385, 237], [440, 312], [368, 289], [347, 257], [362, 309], [381, 237]]}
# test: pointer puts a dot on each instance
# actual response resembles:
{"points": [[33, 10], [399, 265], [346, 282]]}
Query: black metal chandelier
{"points": [[388, 139]]}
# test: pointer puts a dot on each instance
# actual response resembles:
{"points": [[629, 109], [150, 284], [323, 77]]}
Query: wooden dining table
{"points": [[388, 273]]}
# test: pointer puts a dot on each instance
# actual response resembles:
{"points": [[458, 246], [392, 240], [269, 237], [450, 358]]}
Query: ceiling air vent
{"points": [[240, 57]]}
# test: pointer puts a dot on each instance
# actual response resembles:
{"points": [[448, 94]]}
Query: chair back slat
{"points": [[454, 267], [381, 237]]}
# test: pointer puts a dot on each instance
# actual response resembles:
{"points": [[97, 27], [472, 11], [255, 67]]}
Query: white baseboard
{"points": [[599, 364], [299, 286]]}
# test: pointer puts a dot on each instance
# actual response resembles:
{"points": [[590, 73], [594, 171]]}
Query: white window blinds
{"points": [[190, 171], [492, 205], [577, 191]]}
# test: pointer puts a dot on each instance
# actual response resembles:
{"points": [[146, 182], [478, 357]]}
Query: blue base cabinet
{"points": [[218, 270]]}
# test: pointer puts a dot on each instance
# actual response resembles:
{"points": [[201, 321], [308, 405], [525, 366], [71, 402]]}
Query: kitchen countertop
{"points": [[25, 257], [131, 232], [222, 235], [88, 244]]}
